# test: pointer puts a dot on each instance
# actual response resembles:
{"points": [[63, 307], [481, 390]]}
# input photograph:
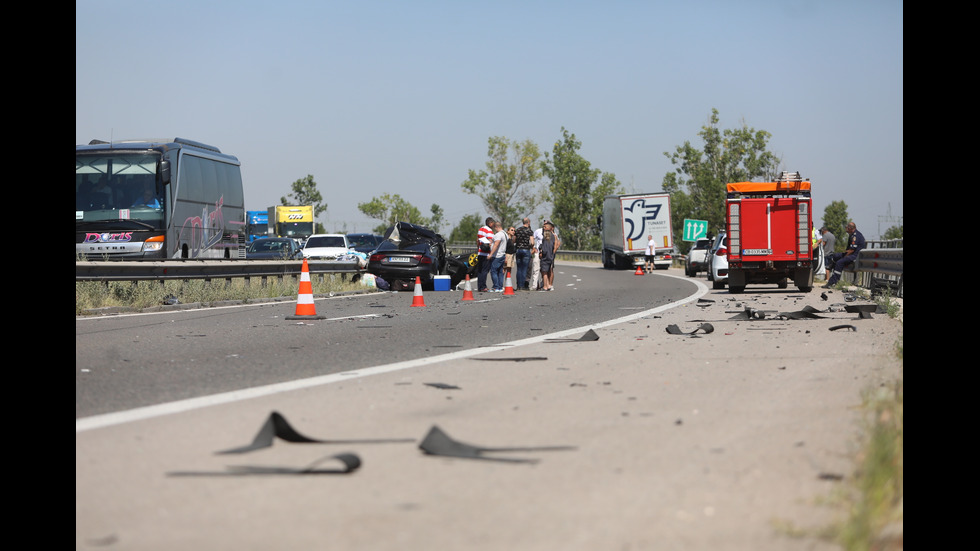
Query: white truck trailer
{"points": [[628, 222]]}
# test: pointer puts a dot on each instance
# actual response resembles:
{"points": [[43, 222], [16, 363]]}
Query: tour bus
{"points": [[139, 200]]}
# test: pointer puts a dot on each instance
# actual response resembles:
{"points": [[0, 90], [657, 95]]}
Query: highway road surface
{"points": [[565, 420]]}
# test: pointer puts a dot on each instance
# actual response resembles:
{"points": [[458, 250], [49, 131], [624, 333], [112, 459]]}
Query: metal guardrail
{"points": [[160, 270], [879, 266], [875, 267]]}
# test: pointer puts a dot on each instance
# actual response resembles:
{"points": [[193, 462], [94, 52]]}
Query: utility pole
{"points": [[888, 220]]}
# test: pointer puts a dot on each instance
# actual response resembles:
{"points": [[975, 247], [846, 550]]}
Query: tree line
{"points": [[518, 180]]}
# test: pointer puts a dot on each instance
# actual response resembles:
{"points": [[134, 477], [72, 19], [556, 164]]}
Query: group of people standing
{"points": [[529, 253]]}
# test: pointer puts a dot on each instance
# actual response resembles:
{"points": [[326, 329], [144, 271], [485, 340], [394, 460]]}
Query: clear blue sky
{"points": [[374, 97]]}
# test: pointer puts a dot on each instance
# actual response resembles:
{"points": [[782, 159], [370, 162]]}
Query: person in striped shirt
{"points": [[484, 240]]}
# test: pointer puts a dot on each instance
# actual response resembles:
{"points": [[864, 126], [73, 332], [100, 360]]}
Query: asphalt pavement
{"points": [[722, 422]]}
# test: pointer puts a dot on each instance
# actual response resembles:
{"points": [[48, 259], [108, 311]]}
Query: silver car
{"points": [[718, 261]]}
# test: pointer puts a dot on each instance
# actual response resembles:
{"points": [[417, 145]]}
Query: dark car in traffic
{"points": [[364, 242], [273, 248], [410, 251]]}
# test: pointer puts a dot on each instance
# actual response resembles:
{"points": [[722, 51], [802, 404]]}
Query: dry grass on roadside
{"points": [[875, 499], [871, 501], [143, 294]]}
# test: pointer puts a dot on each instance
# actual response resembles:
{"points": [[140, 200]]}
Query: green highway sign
{"points": [[695, 229]]}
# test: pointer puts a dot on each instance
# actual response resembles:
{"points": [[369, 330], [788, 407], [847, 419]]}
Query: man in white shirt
{"points": [[650, 252], [498, 254]]}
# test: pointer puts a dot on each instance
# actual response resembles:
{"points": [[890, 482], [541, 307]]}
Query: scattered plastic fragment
{"points": [[675, 330], [863, 310], [276, 426], [519, 359], [443, 386], [589, 335], [349, 463], [808, 312], [749, 314], [839, 327], [437, 442]]}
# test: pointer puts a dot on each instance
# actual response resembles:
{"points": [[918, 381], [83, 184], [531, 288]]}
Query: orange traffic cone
{"points": [[639, 271], [304, 302], [508, 286], [418, 300], [467, 291]]}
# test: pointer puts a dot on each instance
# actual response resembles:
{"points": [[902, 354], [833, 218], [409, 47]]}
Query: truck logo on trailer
{"points": [[636, 215]]}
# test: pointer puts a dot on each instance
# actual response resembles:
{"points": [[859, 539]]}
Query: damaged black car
{"points": [[410, 251]]}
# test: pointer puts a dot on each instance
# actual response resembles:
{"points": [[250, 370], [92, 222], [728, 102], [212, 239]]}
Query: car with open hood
{"points": [[364, 242], [411, 251]]}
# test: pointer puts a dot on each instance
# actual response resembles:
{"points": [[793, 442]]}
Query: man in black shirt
{"points": [[524, 242]]}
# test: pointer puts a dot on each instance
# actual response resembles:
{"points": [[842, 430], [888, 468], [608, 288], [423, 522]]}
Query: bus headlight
{"points": [[153, 244]]}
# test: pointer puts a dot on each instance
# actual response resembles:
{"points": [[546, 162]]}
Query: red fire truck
{"points": [[769, 233]]}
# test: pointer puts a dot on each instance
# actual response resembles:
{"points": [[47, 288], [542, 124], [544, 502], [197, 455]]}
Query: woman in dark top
{"points": [[547, 260]]}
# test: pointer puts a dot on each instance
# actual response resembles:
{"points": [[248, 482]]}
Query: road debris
{"points": [[437, 442], [675, 330], [276, 426]]}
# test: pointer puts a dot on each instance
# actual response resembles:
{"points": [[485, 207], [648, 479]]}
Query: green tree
{"points": [[390, 209], [506, 187], [697, 185], [465, 231], [894, 232], [835, 218], [576, 197], [304, 192], [437, 218]]}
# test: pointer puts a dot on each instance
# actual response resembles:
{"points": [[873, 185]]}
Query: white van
{"points": [[326, 246]]}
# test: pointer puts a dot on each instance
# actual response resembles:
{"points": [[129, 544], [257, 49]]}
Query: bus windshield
{"points": [[122, 188]]}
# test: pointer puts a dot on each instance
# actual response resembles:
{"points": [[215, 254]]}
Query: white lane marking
{"points": [[159, 410]]}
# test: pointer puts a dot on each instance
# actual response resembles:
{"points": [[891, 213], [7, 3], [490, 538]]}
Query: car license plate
{"points": [[757, 252], [399, 259]]}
